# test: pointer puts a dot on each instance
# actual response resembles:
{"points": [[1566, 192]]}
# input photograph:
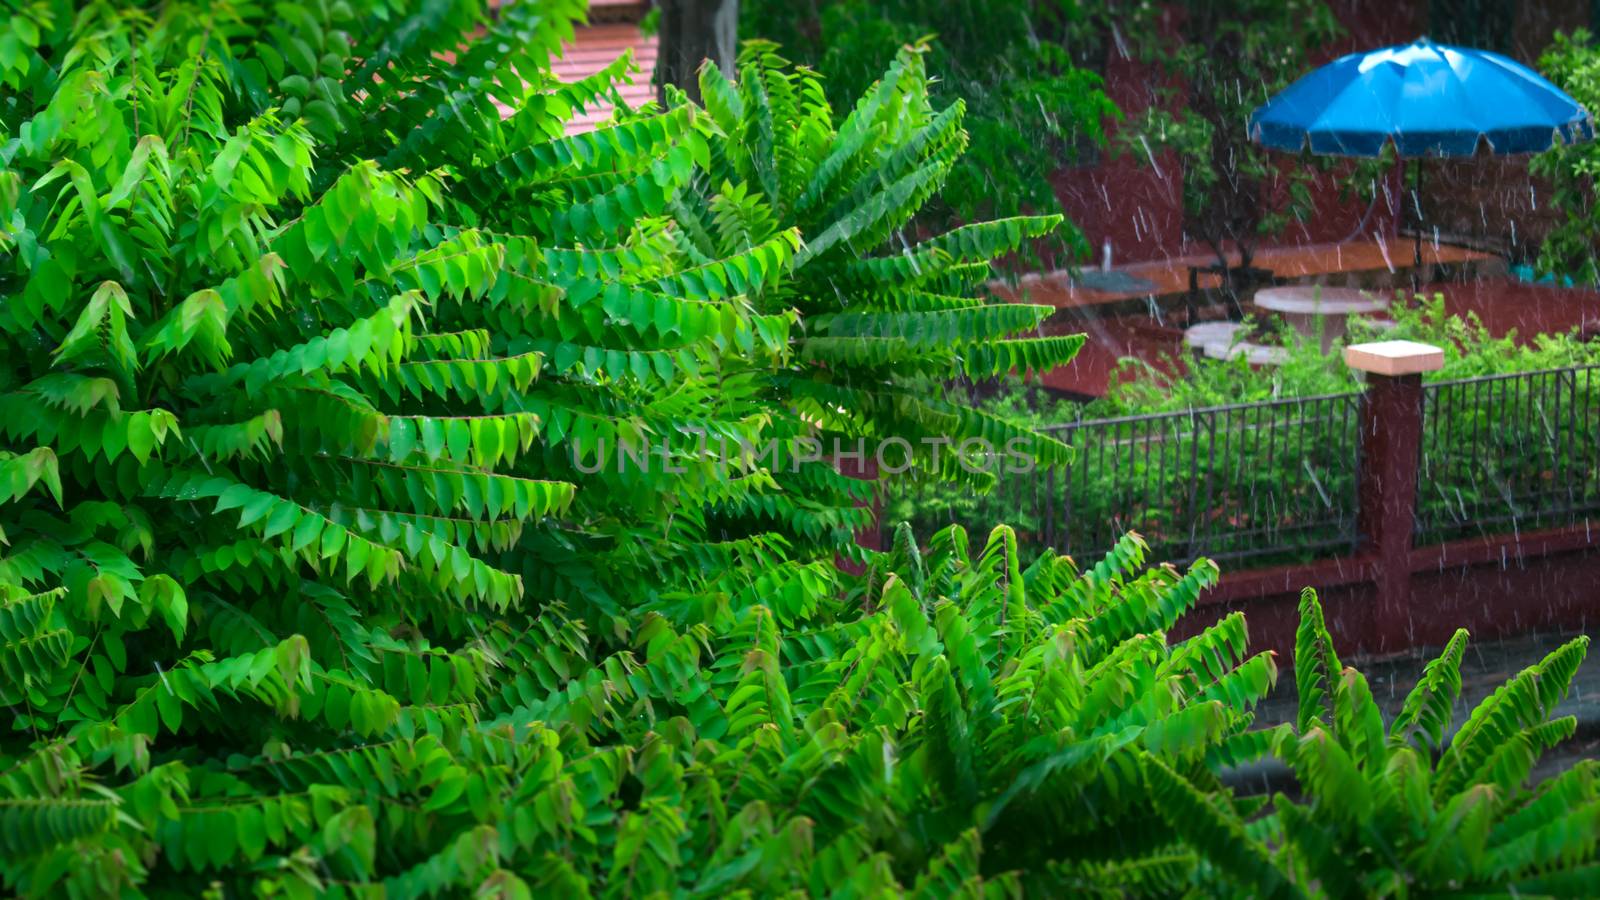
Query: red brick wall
{"points": [[1139, 206], [1491, 587]]}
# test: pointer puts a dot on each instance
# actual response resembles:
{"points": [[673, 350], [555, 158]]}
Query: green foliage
{"points": [[1488, 449], [1225, 58], [1027, 76], [1570, 249], [318, 561], [317, 571], [972, 723], [875, 327], [1402, 811]]}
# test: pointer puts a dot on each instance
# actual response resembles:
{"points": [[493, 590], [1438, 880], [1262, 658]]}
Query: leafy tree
{"points": [[311, 365], [315, 576], [1027, 74], [875, 328], [1223, 59], [1570, 249]]}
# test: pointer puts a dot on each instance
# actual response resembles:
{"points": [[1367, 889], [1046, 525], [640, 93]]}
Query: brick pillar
{"points": [[1391, 444]]}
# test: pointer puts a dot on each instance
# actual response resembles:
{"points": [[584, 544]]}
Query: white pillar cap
{"points": [[1394, 357]]}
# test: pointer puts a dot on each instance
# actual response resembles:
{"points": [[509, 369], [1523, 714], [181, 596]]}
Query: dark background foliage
{"points": [[1026, 68]]}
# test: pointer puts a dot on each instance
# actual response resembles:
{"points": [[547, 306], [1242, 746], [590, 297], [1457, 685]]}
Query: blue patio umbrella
{"points": [[1429, 100]]}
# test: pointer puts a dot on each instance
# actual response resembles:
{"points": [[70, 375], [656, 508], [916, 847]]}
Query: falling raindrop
{"points": [[1383, 248], [1152, 157]]}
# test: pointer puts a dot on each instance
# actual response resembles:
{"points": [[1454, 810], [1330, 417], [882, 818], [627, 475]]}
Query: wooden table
{"points": [[1313, 308]]}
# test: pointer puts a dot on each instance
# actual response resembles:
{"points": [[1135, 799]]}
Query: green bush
{"points": [[311, 582], [311, 363], [1409, 807], [1470, 350], [1569, 249], [919, 745]]}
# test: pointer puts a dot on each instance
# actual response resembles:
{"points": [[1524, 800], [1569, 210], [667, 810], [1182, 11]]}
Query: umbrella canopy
{"points": [[1430, 99]]}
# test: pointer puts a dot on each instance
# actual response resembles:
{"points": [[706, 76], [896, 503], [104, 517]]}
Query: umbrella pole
{"points": [[1416, 198]]}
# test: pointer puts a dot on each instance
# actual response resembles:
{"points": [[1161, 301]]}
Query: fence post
{"points": [[1391, 447]]}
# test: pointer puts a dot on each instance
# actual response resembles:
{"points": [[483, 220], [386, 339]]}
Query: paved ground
{"points": [[1486, 666]]}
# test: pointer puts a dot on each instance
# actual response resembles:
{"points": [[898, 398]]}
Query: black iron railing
{"points": [[1277, 481], [1504, 454], [1258, 481]]}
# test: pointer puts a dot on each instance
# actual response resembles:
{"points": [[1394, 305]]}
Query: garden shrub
{"points": [[1412, 807], [974, 722], [1470, 349], [313, 581], [1569, 248], [311, 363]]}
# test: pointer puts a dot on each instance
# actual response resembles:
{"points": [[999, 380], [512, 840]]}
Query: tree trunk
{"points": [[693, 31]]}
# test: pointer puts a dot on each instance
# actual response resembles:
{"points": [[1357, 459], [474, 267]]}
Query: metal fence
{"points": [[1504, 454], [1258, 481], [1276, 482]]}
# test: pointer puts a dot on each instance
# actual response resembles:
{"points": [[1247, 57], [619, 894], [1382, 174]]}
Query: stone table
{"points": [[1257, 354], [1198, 337], [1308, 307]]}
